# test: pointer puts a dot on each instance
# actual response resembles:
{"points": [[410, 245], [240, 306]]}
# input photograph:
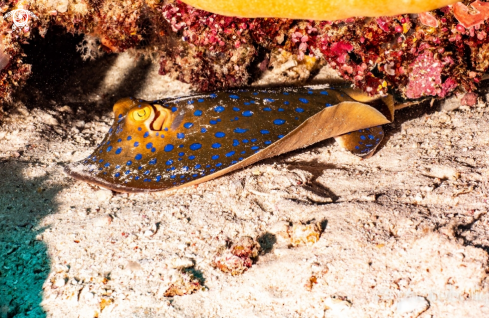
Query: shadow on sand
{"points": [[59, 77]]}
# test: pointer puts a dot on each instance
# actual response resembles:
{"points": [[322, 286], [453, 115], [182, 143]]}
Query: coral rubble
{"points": [[436, 53], [237, 259]]}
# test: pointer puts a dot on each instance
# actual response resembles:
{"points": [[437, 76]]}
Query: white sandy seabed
{"points": [[403, 234]]}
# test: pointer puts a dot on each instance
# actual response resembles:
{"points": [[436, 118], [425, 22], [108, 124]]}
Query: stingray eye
{"points": [[142, 114]]}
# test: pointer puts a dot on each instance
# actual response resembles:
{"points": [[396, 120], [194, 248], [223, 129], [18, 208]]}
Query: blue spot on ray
{"points": [[215, 157], [118, 151], [188, 125], [303, 100], [247, 113], [195, 146], [220, 134], [180, 135], [240, 130], [149, 145], [299, 110], [219, 109], [109, 148], [146, 134], [216, 145], [138, 156], [229, 154], [169, 147], [279, 121], [234, 96], [198, 112]]}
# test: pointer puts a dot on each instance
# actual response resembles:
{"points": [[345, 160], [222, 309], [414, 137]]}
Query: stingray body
{"points": [[154, 146]]}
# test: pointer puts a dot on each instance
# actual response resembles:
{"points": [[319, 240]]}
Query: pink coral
{"points": [[425, 78]]}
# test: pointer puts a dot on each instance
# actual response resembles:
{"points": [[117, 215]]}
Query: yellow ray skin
{"points": [[316, 9]]}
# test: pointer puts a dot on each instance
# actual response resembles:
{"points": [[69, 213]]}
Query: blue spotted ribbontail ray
{"points": [[154, 146]]}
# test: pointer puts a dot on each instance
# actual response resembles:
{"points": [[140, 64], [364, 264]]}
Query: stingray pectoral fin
{"points": [[362, 142], [330, 122], [360, 96], [383, 104]]}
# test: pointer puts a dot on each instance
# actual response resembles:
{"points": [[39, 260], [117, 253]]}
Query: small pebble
{"points": [[133, 266], [412, 305], [59, 282], [102, 221], [103, 195], [181, 263]]}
